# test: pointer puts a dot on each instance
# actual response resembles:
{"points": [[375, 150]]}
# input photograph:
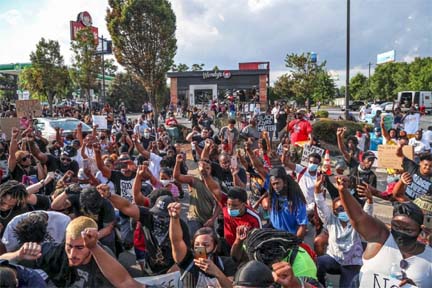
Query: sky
{"points": [[226, 32]]}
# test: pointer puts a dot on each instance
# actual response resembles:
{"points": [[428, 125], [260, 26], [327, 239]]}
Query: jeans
{"points": [[326, 264]]}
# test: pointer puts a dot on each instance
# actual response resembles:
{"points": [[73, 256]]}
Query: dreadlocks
{"points": [[15, 190], [269, 245]]}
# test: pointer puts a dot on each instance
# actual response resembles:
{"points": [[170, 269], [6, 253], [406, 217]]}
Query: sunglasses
{"points": [[64, 159], [25, 158]]}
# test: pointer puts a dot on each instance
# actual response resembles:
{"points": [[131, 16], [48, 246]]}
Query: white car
{"points": [[47, 126]]}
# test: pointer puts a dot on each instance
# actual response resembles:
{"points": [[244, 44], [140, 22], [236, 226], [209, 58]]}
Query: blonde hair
{"points": [[20, 154], [78, 225]]}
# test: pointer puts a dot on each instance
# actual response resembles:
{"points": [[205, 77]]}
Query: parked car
{"points": [[387, 106], [47, 126], [354, 106]]}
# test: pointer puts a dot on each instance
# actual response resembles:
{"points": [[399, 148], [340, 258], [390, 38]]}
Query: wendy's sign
{"points": [[84, 20]]}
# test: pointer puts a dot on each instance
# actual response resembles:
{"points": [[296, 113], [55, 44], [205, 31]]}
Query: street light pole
{"points": [[347, 61], [103, 72]]}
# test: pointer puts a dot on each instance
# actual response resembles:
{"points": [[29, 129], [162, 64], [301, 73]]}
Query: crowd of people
{"points": [[69, 208]]}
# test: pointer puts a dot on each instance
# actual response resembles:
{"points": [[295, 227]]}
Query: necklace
{"points": [[7, 216]]}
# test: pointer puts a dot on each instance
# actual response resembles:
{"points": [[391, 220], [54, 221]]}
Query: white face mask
{"points": [[146, 135], [165, 182]]}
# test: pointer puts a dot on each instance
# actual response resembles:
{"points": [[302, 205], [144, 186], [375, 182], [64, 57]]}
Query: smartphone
{"points": [[200, 252], [234, 162], [427, 221]]}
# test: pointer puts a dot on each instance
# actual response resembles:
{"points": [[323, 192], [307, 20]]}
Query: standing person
{"points": [[251, 132], [390, 252], [421, 146], [230, 134], [318, 105], [275, 112], [300, 129], [411, 121]]}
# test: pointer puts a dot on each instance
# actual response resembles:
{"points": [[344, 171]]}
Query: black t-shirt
{"points": [[54, 262], [225, 264], [357, 177], [158, 244], [281, 120], [123, 184], [420, 184], [106, 214], [7, 216], [18, 173], [225, 176], [54, 163], [42, 146]]}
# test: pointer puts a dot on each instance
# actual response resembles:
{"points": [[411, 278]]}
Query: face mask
{"points": [[313, 167], [343, 216], [234, 212], [146, 135], [402, 239], [165, 182]]}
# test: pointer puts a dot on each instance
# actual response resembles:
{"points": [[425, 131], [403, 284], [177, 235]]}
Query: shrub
{"points": [[325, 129], [322, 114]]}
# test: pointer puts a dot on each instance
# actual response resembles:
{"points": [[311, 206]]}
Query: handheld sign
{"points": [[170, 280], [309, 149], [377, 280], [101, 121], [265, 122], [27, 108], [387, 156]]}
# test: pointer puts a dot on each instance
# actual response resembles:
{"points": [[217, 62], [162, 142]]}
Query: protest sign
{"points": [[265, 122], [309, 149], [28, 108], [170, 280], [6, 125], [377, 280], [101, 121], [387, 156]]}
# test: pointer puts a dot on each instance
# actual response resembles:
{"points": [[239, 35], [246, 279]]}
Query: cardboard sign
{"points": [[28, 108], [387, 156], [171, 280], [6, 125], [265, 122], [309, 149], [101, 121], [377, 280]]}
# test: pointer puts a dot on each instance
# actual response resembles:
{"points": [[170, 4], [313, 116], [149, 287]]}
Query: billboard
{"points": [[84, 20], [385, 57]]}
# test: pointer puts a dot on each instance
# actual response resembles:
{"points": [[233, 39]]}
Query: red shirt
{"points": [[250, 219], [171, 122], [300, 130]]}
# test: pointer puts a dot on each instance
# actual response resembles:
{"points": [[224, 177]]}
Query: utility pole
{"points": [[347, 61], [103, 72], [370, 64]]}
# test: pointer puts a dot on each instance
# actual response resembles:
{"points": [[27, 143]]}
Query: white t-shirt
{"points": [[106, 181], [411, 123], [275, 112], [307, 185], [420, 146], [56, 229]]}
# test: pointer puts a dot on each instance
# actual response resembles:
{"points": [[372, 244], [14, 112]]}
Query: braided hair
{"points": [[15, 190]]}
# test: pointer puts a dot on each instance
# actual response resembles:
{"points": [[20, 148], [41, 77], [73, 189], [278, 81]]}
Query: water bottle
{"points": [[395, 271]]}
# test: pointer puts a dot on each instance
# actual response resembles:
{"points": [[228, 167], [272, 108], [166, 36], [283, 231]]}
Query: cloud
{"points": [[12, 17]]}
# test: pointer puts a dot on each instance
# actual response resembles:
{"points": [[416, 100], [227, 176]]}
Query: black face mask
{"points": [[402, 239]]}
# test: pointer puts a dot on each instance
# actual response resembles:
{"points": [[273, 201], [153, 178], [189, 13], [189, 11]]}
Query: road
{"points": [[334, 113]]}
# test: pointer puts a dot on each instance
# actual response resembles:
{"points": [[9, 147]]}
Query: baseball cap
{"points": [[160, 207], [368, 154], [69, 151], [76, 142]]}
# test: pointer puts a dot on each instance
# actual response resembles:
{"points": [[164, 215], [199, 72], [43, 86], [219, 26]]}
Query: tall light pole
{"points": [[347, 61]]}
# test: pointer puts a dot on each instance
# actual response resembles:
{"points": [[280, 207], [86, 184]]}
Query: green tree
{"points": [[305, 75], [420, 74], [323, 87], [359, 87], [143, 34], [86, 64], [215, 68], [197, 67], [110, 67], [47, 76], [181, 67], [8, 84], [282, 87], [125, 88]]}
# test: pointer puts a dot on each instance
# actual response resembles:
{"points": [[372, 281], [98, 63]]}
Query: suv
{"points": [[354, 106]]}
